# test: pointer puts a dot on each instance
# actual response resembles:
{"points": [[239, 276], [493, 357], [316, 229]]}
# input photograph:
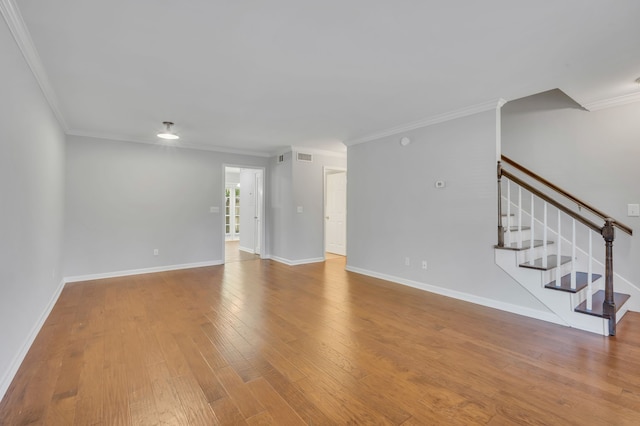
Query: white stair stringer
{"points": [[561, 303]]}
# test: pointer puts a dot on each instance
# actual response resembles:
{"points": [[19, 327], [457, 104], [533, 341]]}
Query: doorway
{"points": [[232, 206], [335, 212], [243, 222]]}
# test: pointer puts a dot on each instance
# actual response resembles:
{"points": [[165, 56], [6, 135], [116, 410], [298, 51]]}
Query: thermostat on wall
{"points": [[440, 184]]}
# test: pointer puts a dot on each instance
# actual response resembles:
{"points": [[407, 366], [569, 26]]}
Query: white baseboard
{"points": [[246, 249], [8, 375], [467, 297], [141, 271], [297, 262]]}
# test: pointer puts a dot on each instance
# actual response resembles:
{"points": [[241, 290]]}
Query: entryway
{"points": [[243, 218], [335, 212]]}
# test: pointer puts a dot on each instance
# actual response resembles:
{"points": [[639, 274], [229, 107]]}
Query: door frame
{"points": [[329, 170], [263, 222]]}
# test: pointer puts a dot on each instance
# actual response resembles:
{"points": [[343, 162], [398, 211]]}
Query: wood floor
{"points": [[258, 342], [232, 253]]}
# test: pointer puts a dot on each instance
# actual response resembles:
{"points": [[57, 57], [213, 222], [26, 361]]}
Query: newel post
{"points": [[500, 228], [609, 304]]}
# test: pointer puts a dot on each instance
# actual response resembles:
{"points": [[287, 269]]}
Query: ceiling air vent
{"points": [[301, 156]]}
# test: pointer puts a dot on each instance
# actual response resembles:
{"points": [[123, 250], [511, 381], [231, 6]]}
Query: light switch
{"points": [[214, 209], [300, 209], [633, 210]]}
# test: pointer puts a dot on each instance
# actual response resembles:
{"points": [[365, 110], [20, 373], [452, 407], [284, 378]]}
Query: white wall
{"points": [[593, 155], [280, 207], [31, 208], [299, 237], [126, 199], [394, 211], [308, 192]]}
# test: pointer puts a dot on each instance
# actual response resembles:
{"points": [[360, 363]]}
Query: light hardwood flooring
{"points": [[232, 253], [258, 342], [331, 256]]}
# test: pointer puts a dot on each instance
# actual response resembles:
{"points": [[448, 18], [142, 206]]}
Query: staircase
{"points": [[548, 248], [568, 302]]}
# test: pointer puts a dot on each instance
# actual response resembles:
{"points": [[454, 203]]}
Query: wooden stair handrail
{"points": [[553, 202], [580, 203]]}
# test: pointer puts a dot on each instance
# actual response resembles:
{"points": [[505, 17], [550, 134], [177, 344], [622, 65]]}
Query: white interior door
{"points": [[336, 214], [258, 210], [248, 212]]}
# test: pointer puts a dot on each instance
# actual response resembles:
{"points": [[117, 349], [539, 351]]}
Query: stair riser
{"points": [[513, 219], [513, 236], [582, 264], [538, 252], [513, 222], [509, 221], [581, 296], [550, 275], [581, 261]]}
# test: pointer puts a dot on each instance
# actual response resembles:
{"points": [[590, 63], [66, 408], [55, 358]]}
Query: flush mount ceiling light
{"points": [[168, 133], [404, 141]]}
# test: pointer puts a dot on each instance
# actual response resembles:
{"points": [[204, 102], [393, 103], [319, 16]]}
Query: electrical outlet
{"points": [[424, 264], [407, 261], [156, 252]]}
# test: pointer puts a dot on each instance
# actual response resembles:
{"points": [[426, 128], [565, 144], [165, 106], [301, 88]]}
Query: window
{"points": [[232, 212]]}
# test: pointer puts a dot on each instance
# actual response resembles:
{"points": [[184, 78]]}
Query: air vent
{"points": [[301, 156], [281, 158]]}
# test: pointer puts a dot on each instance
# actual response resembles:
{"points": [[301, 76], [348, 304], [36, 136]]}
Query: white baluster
{"points": [[544, 236], [573, 256], [508, 242], [590, 274], [532, 247], [519, 217], [559, 253]]}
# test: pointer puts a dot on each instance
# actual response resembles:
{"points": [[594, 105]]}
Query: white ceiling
{"points": [[257, 76]]}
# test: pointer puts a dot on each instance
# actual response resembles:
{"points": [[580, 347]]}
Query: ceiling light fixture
{"points": [[404, 141], [168, 133], [638, 81]]}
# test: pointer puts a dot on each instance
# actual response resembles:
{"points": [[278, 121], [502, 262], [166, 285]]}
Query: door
{"points": [[232, 212], [336, 214], [248, 217], [259, 201], [252, 199]]}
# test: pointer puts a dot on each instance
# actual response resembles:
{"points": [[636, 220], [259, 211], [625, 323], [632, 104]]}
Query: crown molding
{"points": [[316, 151], [429, 121], [612, 102], [308, 150], [20, 33], [174, 144]]}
